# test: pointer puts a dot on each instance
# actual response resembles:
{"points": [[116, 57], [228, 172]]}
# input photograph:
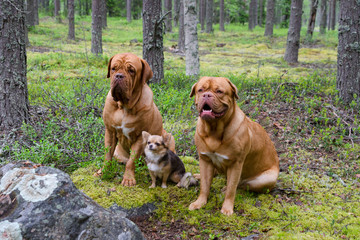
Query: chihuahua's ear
{"points": [[167, 139], [145, 136]]}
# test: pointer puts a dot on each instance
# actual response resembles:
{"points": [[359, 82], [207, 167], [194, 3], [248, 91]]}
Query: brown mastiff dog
{"points": [[229, 142], [129, 109]]}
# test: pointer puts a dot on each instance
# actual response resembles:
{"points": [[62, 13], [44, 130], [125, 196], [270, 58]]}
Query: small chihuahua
{"points": [[163, 163]]}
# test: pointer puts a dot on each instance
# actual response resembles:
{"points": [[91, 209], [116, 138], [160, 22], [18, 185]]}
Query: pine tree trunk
{"points": [[36, 13], [222, 15], [333, 14], [209, 16], [104, 13], [293, 38], [96, 28], [181, 41], [202, 14], [128, 10], [270, 16], [57, 10], [348, 63], [168, 11], [252, 14], [323, 19], [312, 18], [30, 13], [14, 103], [71, 18], [260, 13], [191, 39], [153, 38], [176, 12]]}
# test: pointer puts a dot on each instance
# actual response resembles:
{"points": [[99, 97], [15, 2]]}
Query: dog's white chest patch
{"points": [[216, 158], [126, 131]]}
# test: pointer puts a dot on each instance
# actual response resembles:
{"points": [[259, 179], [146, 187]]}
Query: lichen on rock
{"points": [[10, 231]]}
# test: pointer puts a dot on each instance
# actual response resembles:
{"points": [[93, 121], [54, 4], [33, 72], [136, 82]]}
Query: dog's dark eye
{"points": [[200, 90], [148, 143], [131, 71], [157, 144], [219, 91], [113, 69]]}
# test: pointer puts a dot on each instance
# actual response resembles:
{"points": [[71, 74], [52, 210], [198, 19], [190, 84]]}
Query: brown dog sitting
{"points": [[229, 142], [129, 109], [163, 163]]}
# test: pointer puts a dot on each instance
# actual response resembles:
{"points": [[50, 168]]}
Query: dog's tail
{"points": [[187, 180]]}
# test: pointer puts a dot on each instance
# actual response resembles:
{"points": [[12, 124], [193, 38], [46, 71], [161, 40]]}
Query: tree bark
{"points": [[252, 14], [202, 14], [312, 18], [293, 37], [104, 13], [176, 12], [71, 18], [96, 28], [57, 10], [153, 38], [270, 16], [348, 63], [260, 13], [128, 10], [191, 40], [323, 19], [181, 41], [168, 12], [222, 16], [36, 13], [14, 103], [209, 16], [30, 13], [333, 14]]}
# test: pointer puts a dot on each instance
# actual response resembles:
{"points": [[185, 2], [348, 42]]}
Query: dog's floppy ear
{"points": [[145, 136], [193, 90], [109, 66], [167, 139], [146, 73], [233, 88]]}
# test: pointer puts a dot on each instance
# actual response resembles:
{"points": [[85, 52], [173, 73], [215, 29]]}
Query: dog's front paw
{"points": [[128, 182], [163, 186], [227, 209], [152, 186], [197, 204]]}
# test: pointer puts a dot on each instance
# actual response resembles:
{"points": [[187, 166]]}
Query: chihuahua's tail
{"points": [[187, 180]]}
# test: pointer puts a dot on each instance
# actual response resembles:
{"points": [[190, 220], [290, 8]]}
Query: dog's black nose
{"points": [[151, 147], [119, 76]]}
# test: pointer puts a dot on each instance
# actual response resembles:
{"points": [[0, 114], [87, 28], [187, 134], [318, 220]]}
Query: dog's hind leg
{"points": [[120, 154], [261, 183]]}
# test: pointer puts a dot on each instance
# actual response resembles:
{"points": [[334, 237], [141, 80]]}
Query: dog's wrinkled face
{"points": [[128, 74], [213, 97]]}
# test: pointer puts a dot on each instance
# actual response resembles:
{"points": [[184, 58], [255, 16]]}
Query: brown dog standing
{"points": [[229, 142], [129, 109]]}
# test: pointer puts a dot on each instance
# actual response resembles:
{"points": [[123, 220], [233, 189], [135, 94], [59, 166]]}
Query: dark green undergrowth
{"points": [[317, 137]]}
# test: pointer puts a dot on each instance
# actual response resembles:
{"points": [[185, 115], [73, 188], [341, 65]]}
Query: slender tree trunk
{"points": [[323, 12], [202, 14], [128, 10], [181, 42], [348, 63], [36, 12], [153, 38], [260, 13], [104, 13], [71, 18], [191, 40], [96, 28], [333, 14], [252, 14], [222, 15], [209, 16], [176, 12], [30, 13], [57, 10], [293, 38], [168, 11], [270, 17], [14, 103], [312, 18]]}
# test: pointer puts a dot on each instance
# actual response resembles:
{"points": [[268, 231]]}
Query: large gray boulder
{"points": [[38, 202]]}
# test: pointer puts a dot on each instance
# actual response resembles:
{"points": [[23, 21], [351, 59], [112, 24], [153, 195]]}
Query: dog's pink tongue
{"points": [[207, 115]]}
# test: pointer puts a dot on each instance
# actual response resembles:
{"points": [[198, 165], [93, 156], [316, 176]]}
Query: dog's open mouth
{"points": [[207, 113]]}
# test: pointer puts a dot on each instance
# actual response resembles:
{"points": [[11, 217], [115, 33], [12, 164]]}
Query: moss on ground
{"points": [[304, 205]]}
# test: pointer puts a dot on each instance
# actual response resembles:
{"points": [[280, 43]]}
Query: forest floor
{"points": [[316, 136]]}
